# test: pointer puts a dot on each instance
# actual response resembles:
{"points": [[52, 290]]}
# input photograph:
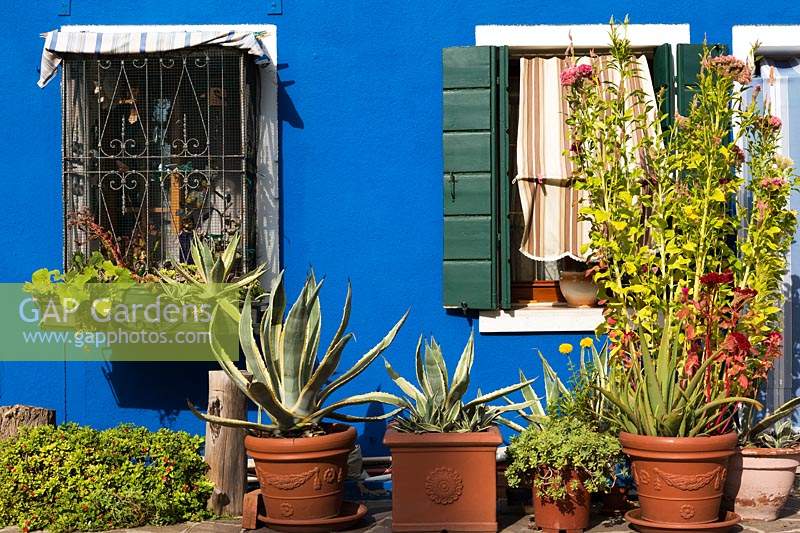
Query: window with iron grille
{"points": [[157, 148]]}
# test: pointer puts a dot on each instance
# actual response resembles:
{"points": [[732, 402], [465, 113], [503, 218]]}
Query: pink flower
{"points": [[773, 183], [730, 67], [573, 75], [774, 122], [738, 154]]}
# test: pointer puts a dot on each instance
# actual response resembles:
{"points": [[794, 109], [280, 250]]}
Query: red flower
{"points": [[717, 278], [745, 293]]}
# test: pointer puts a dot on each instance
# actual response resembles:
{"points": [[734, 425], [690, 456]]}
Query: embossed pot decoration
{"points": [[302, 478], [760, 481], [680, 480], [444, 481], [571, 514]]}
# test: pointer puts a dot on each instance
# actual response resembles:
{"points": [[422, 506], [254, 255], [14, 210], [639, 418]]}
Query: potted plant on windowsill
{"points": [[443, 449], [692, 302], [565, 460], [762, 472], [301, 460]]}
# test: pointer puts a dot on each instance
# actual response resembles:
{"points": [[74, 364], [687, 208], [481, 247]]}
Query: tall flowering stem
{"points": [[690, 270]]}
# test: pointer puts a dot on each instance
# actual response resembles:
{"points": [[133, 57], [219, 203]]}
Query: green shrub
{"points": [[546, 457], [77, 478]]}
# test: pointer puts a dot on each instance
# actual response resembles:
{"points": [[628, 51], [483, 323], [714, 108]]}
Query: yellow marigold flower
{"points": [[586, 342], [565, 348]]}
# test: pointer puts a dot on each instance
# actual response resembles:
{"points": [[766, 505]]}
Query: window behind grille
{"points": [[157, 148]]}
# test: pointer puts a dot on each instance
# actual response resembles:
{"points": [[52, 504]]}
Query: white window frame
{"points": [[267, 196], [549, 317]]}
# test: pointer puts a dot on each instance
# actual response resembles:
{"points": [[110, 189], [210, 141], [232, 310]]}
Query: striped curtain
{"points": [[550, 204]]}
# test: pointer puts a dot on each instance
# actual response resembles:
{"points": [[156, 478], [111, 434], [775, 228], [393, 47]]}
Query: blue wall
{"points": [[361, 173]]}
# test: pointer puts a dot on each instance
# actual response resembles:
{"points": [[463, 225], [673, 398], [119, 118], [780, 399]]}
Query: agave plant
{"points": [[782, 435], [436, 406], [289, 382], [590, 375], [212, 278], [755, 433]]}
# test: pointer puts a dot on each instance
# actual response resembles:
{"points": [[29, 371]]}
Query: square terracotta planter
{"points": [[444, 481]]}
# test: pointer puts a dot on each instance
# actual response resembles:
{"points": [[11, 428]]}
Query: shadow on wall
{"points": [[287, 114], [159, 386]]}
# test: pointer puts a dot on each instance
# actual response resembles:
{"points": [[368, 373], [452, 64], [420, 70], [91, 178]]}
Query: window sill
{"points": [[541, 318]]}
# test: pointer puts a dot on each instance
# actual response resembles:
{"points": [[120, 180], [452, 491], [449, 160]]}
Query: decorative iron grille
{"points": [[157, 148]]}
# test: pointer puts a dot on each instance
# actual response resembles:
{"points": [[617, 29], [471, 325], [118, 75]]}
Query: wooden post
{"points": [[225, 446], [14, 417]]}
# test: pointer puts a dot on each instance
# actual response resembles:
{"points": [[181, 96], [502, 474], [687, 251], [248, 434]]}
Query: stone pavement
{"points": [[381, 522]]}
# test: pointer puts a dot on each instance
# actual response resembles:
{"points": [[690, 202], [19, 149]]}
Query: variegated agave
{"points": [[289, 382], [212, 278], [437, 406], [774, 430]]}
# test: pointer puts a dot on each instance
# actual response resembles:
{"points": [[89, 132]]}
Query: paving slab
{"points": [[511, 521]]}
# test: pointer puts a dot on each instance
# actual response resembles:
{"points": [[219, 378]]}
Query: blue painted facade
{"points": [[360, 143]]}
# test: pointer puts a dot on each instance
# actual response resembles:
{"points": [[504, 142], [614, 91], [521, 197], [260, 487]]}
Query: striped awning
{"points": [[550, 204], [58, 42]]}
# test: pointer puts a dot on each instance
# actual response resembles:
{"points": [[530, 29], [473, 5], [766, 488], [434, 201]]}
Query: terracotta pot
{"points": [[571, 513], [579, 290], [679, 479], [444, 481], [303, 478], [760, 481]]}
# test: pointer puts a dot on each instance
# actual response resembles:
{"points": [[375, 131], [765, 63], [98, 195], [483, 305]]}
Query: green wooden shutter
{"points": [[474, 116], [688, 57], [664, 83]]}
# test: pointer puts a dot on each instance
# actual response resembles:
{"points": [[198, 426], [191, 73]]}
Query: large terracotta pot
{"points": [[303, 478], [571, 513], [579, 290], [444, 481], [760, 481], [679, 479]]}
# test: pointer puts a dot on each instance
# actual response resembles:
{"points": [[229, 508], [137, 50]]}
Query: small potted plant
{"points": [[444, 449], [762, 472], [300, 459], [565, 461]]}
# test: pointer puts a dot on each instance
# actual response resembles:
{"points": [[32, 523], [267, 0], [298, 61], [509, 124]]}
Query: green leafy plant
{"points": [[781, 435], [580, 399], [547, 456], [692, 286], [71, 478], [437, 405], [753, 432], [289, 382]]}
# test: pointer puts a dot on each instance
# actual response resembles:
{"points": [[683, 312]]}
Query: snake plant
{"points": [[289, 382], [436, 406]]}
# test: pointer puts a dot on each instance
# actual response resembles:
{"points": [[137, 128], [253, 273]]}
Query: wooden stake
{"points": [[225, 446], [14, 417]]}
